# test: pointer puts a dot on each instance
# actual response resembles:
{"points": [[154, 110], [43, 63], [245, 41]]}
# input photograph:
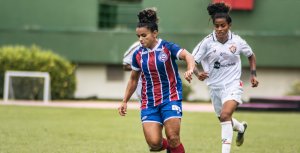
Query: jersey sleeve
{"points": [[245, 48], [136, 58], [127, 58], [199, 52], [174, 49]]}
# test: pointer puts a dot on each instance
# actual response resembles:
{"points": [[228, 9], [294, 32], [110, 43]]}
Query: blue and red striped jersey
{"points": [[160, 78]]}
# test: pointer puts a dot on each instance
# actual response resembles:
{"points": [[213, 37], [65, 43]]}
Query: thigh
{"points": [[172, 130], [227, 110], [152, 132], [172, 127], [229, 107]]}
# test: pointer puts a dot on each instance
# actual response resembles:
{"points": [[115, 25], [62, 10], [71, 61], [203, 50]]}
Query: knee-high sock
{"points": [[178, 149], [164, 144], [237, 126], [227, 133]]}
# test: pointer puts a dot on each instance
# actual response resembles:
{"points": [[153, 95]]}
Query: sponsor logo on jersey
{"points": [[217, 65], [162, 57], [228, 64], [176, 108], [145, 117], [232, 49]]}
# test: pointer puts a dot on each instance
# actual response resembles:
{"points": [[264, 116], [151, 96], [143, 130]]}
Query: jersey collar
{"points": [[156, 46]]}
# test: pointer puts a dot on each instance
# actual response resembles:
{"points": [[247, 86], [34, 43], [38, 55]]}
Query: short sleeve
{"points": [[127, 58], [136, 60], [245, 48], [174, 49], [199, 52]]}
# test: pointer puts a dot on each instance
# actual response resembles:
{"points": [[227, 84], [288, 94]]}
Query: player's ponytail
{"points": [[148, 19], [219, 10]]}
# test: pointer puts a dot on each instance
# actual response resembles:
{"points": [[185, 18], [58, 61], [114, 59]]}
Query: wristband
{"points": [[253, 72]]}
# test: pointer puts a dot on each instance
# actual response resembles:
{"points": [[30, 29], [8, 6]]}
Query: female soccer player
{"points": [[219, 54], [161, 85]]}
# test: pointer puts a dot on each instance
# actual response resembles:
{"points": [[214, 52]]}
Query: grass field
{"points": [[68, 130]]}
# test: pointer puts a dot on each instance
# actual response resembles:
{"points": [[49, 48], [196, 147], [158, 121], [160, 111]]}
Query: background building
{"points": [[95, 33]]}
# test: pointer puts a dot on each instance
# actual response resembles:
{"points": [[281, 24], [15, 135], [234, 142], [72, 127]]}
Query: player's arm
{"points": [[185, 55], [131, 86], [200, 75], [252, 63], [198, 55], [127, 67]]}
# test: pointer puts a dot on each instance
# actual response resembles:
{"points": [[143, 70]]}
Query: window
{"points": [[118, 14], [107, 15]]}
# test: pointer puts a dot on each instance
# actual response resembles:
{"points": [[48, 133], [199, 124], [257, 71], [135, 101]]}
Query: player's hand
{"points": [[254, 82], [123, 109], [188, 75], [202, 76]]}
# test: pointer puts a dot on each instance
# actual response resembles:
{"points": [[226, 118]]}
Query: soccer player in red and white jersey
{"points": [[161, 85], [127, 62], [219, 54]]}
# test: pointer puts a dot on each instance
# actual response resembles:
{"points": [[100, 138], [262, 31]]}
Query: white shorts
{"points": [[232, 91], [138, 90]]}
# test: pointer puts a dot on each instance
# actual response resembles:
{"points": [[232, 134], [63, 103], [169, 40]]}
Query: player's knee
{"points": [[173, 140], [225, 117], [155, 146]]}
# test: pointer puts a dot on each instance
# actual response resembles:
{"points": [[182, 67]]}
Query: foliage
{"points": [[21, 58], [295, 91]]}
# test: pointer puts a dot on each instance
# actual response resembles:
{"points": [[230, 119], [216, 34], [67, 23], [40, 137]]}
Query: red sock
{"points": [[178, 149], [164, 144]]}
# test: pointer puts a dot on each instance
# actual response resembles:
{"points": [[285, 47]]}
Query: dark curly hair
{"points": [[219, 10], [148, 19]]}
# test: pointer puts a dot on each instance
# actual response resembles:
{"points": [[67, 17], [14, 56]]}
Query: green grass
{"points": [[69, 130]]}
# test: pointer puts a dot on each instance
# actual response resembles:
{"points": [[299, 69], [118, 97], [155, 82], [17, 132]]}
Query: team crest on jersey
{"points": [[162, 57], [232, 49]]}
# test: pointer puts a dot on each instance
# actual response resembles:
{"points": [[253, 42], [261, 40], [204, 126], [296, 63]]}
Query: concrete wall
{"points": [[92, 81]]}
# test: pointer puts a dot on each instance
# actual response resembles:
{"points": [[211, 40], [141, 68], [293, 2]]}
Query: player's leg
{"points": [[234, 92], [153, 136], [171, 114], [152, 127], [240, 135], [226, 124], [172, 129], [216, 96], [237, 126], [240, 127]]}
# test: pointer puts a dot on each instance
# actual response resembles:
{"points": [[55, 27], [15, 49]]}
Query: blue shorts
{"points": [[162, 112]]}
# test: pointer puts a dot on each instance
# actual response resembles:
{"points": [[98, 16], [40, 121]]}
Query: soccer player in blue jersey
{"points": [[161, 85]]}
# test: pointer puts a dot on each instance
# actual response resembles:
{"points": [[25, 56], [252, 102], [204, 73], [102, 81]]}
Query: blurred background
{"points": [[94, 34]]}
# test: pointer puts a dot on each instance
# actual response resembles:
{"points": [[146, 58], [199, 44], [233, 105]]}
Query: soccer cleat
{"points": [[240, 136]]}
